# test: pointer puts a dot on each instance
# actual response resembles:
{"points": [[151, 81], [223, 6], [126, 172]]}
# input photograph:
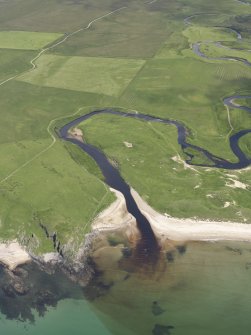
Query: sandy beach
{"points": [[172, 228], [165, 227], [12, 255]]}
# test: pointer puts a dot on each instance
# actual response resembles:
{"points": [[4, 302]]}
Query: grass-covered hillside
{"points": [[131, 55]]}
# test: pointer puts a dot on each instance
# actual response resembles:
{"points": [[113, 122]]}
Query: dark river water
{"points": [[148, 244], [193, 289]]}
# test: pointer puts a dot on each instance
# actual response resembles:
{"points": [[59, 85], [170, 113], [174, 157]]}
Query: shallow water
{"points": [[205, 289], [70, 317]]}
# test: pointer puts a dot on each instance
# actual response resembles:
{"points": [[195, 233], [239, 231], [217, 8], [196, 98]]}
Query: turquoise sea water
{"points": [[205, 290], [70, 317]]}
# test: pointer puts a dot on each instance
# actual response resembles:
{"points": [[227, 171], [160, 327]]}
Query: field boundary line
{"points": [[34, 66], [54, 139], [42, 151], [32, 62]]}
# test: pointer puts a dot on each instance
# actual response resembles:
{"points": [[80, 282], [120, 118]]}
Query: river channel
{"points": [[193, 289]]}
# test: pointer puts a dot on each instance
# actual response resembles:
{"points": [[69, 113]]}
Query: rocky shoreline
{"points": [[29, 282]]}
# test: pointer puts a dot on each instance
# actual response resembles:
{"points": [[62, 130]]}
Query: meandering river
{"points": [[183, 292]]}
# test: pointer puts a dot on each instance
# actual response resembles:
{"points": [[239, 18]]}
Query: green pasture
{"points": [[42, 182], [131, 33], [51, 15], [137, 59], [243, 102], [242, 45], [87, 74], [245, 145], [55, 191], [26, 40], [13, 62], [150, 167], [200, 34], [176, 89], [212, 50], [173, 46]]}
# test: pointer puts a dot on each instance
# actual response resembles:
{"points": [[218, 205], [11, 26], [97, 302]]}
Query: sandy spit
{"points": [[12, 255], [192, 230], [165, 226], [115, 216]]}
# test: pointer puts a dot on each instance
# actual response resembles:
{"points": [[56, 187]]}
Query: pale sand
{"points": [[236, 184], [164, 226], [179, 160], [12, 255], [115, 216], [174, 229], [195, 230], [76, 133]]}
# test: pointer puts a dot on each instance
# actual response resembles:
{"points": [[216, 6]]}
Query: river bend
{"points": [[114, 179]]}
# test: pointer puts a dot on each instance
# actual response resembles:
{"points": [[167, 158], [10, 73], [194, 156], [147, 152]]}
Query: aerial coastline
{"points": [[116, 217], [175, 229]]}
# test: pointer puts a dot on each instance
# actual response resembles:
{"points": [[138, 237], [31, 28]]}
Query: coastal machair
{"points": [[125, 175]]}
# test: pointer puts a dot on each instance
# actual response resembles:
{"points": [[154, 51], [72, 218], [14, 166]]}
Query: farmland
{"points": [[25, 40], [101, 75], [139, 58]]}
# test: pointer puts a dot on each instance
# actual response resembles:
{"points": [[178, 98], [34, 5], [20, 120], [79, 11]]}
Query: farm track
{"points": [[57, 43], [34, 66]]}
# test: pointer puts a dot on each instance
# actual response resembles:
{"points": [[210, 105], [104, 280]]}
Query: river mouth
{"points": [[185, 293], [148, 246]]}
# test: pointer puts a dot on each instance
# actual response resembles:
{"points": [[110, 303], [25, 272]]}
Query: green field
{"points": [[87, 74], [51, 15], [212, 50], [159, 177], [45, 183], [14, 62], [199, 34], [140, 59], [26, 40], [128, 34], [243, 102]]}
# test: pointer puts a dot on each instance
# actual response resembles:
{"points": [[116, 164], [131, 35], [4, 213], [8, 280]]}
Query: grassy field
{"points": [[63, 197], [199, 34], [129, 33], [87, 74], [52, 15], [139, 58], [26, 40], [165, 183], [42, 182], [13, 62], [245, 144], [243, 102], [159, 90], [212, 50]]}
